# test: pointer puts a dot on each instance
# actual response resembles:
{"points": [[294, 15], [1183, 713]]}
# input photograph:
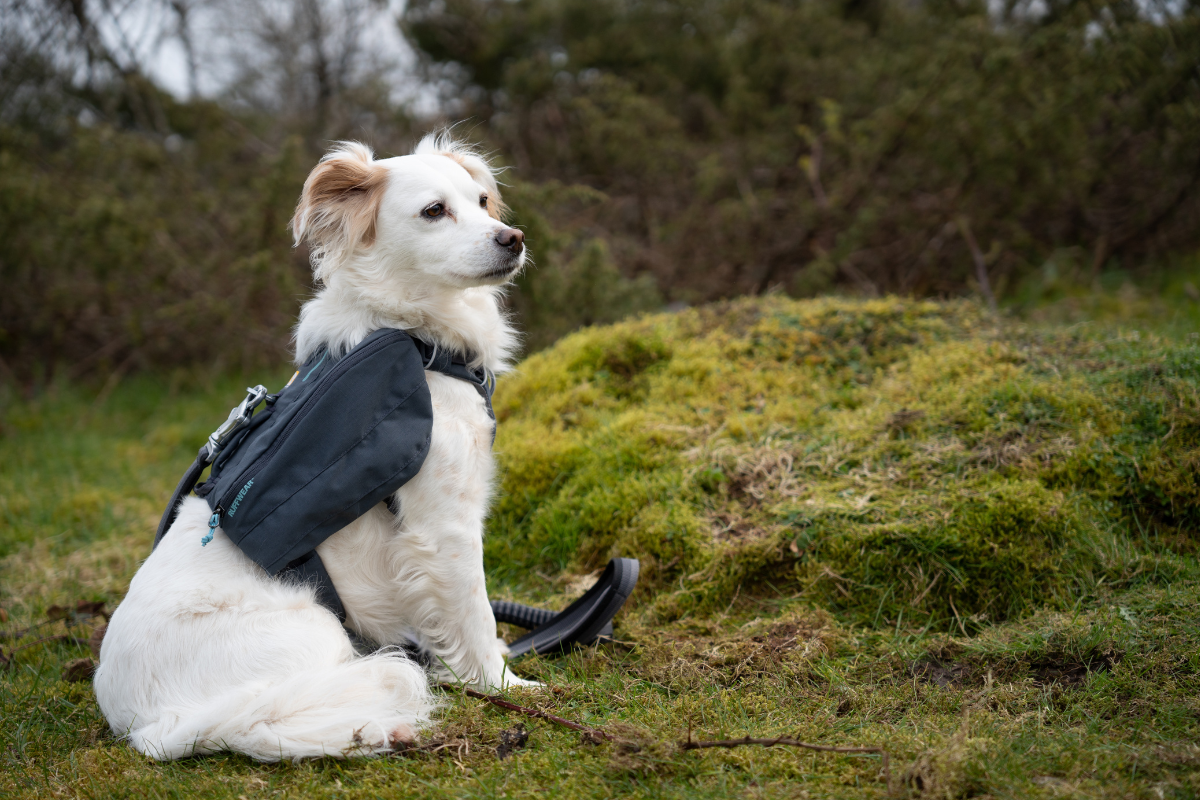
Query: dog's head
{"points": [[432, 218]]}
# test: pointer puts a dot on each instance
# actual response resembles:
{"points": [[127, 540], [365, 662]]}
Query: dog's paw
{"points": [[512, 681], [401, 737]]}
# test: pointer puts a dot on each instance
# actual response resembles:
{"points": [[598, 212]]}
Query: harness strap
{"points": [[310, 568], [437, 359], [186, 484]]}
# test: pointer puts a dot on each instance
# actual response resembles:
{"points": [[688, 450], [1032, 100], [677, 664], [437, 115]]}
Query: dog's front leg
{"points": [[444, 597], [421, 574], [438, 546]]}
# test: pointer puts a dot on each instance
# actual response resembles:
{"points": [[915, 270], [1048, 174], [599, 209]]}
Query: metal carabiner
{"points": [[239, 416]]}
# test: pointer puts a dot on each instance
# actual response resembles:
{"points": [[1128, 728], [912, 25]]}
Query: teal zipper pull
{"points": [[213, 523]]}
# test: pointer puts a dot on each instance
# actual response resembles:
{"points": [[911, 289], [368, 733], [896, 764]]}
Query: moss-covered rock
{"points": [[890, 459]]}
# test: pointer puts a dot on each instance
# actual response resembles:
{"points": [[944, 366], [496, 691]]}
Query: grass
{"points": [[971, 541]]}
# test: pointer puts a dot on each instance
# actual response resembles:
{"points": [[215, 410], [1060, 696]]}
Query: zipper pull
{"points": [[214, 522]]}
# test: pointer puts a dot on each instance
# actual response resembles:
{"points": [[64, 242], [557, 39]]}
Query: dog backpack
{"points": [[342, 436]]}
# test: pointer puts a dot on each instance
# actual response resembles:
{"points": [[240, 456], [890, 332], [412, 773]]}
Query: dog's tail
{"points": [[360, 707]]}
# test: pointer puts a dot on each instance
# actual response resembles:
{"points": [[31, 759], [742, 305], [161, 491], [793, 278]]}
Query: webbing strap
{"points": [[186, 484], [454, 365]]}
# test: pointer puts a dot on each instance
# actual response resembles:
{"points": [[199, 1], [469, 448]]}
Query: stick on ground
{"points": [[531, 712], [689, 744], [785, 741]]}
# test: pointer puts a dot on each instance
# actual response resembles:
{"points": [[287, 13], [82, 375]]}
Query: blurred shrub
{"points": [[681, 151], [121, 251], [571, 279], [138, 231], [123, 248], [889, 146]]}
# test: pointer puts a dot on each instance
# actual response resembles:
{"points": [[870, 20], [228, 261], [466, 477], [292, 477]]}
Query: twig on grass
{"points": [[961, 627], [7, 657], [977, 256], [532, 712], [83, 612], [691, 744], [70, 618], [23, 632]]}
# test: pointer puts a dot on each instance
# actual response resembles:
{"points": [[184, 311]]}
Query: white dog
{"points": [[207, 652]]}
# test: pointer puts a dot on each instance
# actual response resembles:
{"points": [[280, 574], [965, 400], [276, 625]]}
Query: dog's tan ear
{"points": [[340, 202]]}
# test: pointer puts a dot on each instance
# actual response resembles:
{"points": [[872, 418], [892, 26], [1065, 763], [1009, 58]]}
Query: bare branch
{"points": [[532, 712], [981, 275], [689, 744]]}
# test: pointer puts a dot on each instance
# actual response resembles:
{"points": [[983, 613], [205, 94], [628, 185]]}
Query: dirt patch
{"points": [[951, 670], [946, 674], [1068, 672], [905, 419], [511, 740], [760, 650], [1018, 447], [784, 636]]}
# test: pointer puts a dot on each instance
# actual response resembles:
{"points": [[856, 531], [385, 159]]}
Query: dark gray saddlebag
{"points": [[344, 435]]}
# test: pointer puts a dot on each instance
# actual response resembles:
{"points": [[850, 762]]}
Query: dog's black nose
{"points": [[511, 238]]}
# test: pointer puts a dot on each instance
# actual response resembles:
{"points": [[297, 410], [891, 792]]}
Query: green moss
{"points": [[861, 523], [889, 459]]}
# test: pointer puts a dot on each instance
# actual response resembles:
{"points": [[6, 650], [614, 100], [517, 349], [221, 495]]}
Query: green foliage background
{"points": [[744, 145], [684, 151]]}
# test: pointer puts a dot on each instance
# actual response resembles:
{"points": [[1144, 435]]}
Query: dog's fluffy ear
{"points": [[339, 204], [442, 144]]}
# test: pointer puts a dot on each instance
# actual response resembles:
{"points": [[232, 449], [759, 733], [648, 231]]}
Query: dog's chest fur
{"points": [[448, 496]]}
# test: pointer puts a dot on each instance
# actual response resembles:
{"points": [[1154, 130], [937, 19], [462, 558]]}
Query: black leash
{"points": [[587, 620]]}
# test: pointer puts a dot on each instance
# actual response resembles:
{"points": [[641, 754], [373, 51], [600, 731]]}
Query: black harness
{"points": [[343, 435]]}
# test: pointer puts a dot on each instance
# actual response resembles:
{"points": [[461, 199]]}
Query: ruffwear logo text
{"points": [[233, 506]]}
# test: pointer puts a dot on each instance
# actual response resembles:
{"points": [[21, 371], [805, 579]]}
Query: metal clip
{"points": [[239, 415], [489, 381]]}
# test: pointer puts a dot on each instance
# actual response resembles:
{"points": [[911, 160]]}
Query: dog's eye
{"points": [[434, 211], [483, 201]]}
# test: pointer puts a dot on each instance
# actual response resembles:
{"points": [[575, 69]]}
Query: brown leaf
{"points": [[79, 670], [3, 615], [85, 609], [57, 612]]}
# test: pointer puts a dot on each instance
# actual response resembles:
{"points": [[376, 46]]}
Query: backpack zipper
{"points": [[318, 391], [213, 523]]}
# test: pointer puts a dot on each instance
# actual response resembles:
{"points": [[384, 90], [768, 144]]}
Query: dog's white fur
{"points": [[207, 652]]}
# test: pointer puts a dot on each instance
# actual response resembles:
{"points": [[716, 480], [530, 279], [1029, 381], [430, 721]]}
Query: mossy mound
{"points": [[890, 459]]}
